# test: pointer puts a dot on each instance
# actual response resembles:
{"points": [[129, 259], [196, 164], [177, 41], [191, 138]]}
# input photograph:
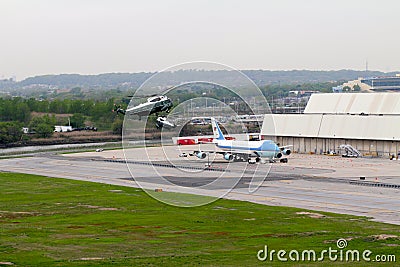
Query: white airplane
{"points": [[250, 151]]}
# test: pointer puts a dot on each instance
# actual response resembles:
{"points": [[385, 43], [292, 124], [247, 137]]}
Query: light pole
{"points": [[213, 107]]}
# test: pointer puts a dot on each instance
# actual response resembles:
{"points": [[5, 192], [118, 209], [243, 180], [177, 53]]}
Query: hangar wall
{"points": [[368, 122], [324, 145]]}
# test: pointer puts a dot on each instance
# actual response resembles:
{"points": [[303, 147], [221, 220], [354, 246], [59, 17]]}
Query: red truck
{"points": [[186, 141]]}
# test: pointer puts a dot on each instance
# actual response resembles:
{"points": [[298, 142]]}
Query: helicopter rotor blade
{"points": [[140, 97]]}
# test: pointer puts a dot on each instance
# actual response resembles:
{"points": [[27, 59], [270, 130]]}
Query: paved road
{"points": [[321, 187]]}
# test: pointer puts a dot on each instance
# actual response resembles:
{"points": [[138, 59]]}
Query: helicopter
{"points": [[163, 122], [154, 105]]}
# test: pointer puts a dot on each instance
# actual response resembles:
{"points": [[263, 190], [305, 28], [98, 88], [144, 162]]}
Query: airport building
{"points": [[373, 84], [369, 122], [382, 83]]}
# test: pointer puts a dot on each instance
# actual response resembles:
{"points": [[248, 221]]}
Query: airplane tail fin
{"points": [[218, 135]]}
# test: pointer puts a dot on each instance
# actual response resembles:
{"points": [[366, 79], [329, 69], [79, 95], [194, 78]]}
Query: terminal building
{"points": [[373, 84], [369, 122], [383, 83]]}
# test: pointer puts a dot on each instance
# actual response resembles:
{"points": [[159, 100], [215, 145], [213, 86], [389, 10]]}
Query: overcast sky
{"points": [[98, 36]]}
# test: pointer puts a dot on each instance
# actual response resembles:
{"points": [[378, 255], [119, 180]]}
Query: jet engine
{"points": [[201, 155], [278, 155], [228, 156], [286, 152]]}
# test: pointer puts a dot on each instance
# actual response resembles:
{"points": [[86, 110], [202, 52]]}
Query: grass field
{"points": [[58, 222]]}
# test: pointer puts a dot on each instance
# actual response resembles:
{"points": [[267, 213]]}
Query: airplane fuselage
{"points": [[262, 149], [251, 151]]}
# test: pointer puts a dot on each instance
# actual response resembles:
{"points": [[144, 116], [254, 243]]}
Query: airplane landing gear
{"points": [[250, 161], [240, 158]]}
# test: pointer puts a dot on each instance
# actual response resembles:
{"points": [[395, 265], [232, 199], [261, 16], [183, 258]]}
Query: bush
{"points": [[10, 132], [77, 120], [44, 130], [117, 126]]}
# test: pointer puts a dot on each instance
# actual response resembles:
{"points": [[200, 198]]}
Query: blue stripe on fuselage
{"points": [[266, 146]]}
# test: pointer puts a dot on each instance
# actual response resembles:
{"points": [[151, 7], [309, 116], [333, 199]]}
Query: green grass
{"points": [[58, 222]]}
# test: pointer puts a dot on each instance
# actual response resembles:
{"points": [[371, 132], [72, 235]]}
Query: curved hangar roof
{"points": [[354, 103]]}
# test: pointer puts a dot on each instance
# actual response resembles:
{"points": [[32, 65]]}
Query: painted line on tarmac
{"points": [[210, 169], [373, 184]]}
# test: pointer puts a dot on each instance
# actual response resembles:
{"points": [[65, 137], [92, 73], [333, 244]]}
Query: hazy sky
{"points": [[98, 36]]}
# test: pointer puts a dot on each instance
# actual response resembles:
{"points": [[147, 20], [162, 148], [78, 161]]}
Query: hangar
{"points": [[369, 122]]}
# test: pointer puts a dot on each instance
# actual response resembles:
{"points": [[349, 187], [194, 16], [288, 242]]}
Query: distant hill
{"points": [[134, 80], [264, 77], [105, 80]]}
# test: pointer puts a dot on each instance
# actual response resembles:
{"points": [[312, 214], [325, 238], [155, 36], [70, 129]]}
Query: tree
{"points": [[117, 126], [356, 88], [44, 130], [22, 112], [46, 119], [77, 120], [14, 110], [10, 132], [346, 88], [43, 126]]}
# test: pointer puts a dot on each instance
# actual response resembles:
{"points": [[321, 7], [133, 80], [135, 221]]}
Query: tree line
{"points": [[42, 115]]}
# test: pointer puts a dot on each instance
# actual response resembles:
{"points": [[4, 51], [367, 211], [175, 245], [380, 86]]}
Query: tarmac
{"points": [[311, 182]]}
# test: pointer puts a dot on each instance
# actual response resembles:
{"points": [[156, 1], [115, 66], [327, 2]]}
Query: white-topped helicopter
{"points": [[155, 104]]}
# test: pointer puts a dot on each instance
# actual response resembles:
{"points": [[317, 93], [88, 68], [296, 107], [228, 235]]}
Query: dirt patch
{"points": [[143, 227], [115, 191], [75, 227], [273, 235], [68, 236], [179, 232], [313, 215], [107, 209], [91, 259], [384, 237], [220, 233], [334, 241], [41, 114], [97, 207], [90, 206], [18, 212]]}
